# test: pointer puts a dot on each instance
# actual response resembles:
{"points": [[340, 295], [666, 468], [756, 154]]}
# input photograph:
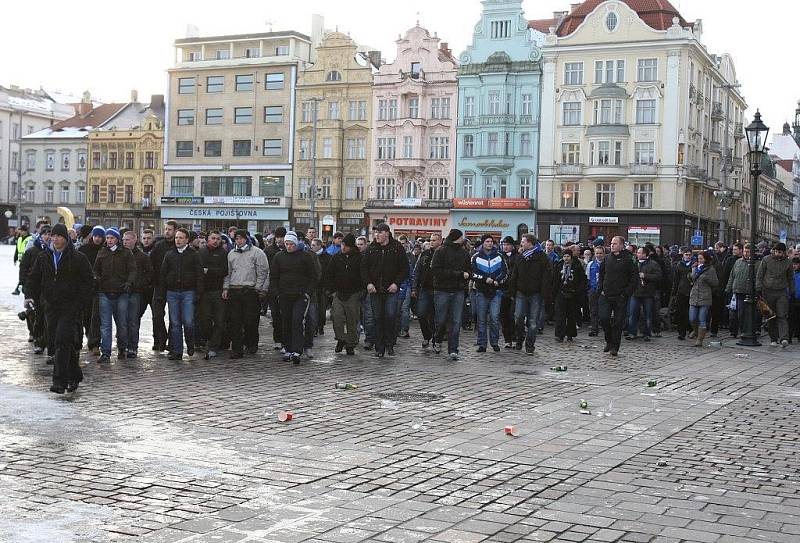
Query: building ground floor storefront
{"points": [[663, 228], [254, 213], [327, 222], [31, 214], [135, 220], [411, 222]]}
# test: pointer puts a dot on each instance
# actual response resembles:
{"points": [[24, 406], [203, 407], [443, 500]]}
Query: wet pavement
{"points": [[158, 451]]}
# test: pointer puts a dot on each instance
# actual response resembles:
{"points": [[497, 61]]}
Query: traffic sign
{"points": [[782, 236], [697, 240]]}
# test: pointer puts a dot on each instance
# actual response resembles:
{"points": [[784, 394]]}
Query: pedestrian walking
{"points": [[244, 287], [644, 294], [295, 276], [507, 302], [62, 278], [530, 286], [35, 312], [775, 283], [593, 293], [20, 243], [212, 322], [704, 282], [451, 270], [142, 287], [343, 280], [569, 282], [272, 297], [422, 290], [180, 284], [794, 307], [617, 282], [91, 318], [384, 267], [159, 302], [115, 273], [489, 274]]}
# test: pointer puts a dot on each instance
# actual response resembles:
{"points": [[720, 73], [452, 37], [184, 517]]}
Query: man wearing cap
{"points": [[295, 276], [451, 270], [489, 274], [507, 302], [62, 278], [343, 280], [244, 287], [91, 319], [383, 269], [158, 304], [115, 273], [181, 283], [423, 291], [775, 282]]}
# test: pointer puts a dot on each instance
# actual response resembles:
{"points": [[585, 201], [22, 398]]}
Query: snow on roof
{"points": [[784, 147], [30, 103], [60, 133]]}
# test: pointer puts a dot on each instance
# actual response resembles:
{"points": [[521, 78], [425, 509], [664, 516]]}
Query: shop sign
{"points": [[302, 214], [186, 200], [212, 213], [603, 220], [648, 230], [351, 215], [418, 221], [328, 220], [486, 224], [562, 233], [470, 203], [408, 202], [491, 203], [236, 200]]}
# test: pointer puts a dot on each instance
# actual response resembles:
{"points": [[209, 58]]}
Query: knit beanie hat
{"points": [[60, 230], [111, 232], [290, 237], [508, 239], [349, 240], [99, 231], [454, 235]]}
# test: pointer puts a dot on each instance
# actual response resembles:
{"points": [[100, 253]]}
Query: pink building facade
{"points": [[415, 102]]}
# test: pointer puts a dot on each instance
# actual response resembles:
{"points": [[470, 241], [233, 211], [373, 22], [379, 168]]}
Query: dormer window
{"points": [[611, 21], [416, 68], [333, 76]]}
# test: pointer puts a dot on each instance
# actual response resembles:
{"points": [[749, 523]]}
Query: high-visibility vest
{"points": [[21, 243]]}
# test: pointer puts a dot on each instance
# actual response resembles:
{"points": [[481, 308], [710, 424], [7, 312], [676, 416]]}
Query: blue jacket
{"points": [[594, 273], [797, 286], [489, 265], [333, 249]]}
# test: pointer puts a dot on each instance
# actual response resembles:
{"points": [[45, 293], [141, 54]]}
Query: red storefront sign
{"points": [[470, 203], [491, 203], [430, 222]]}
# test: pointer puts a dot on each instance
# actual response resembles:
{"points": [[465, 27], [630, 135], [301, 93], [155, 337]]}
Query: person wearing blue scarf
{"points": [[490, 273]]}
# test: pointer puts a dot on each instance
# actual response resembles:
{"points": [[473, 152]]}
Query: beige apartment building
{"points": [[230, 129], [334, 110]]}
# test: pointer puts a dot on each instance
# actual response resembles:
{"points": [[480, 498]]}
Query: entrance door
{"points": [[606, 231]]}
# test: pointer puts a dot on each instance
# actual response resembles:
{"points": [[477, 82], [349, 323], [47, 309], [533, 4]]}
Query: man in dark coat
{"points": [[115, 272], [422, 290], [62, 278], [140, 292], [158, 304], [181, 283], [212, 307], [342, 278], [617, 282], [35, 313], [91, 317], [451, 269]]}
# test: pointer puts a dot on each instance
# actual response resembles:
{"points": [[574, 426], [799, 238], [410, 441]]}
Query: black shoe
{"points": [[378, 354], [482, 349], [175, 356], [630, 337], [368, 346], [682, 338], [560, 339], [350, 351], [646, 339], [339, 346], [406, 336], [390, 350], [278, 347], [540, 330], [592, 334], [251, 350], [121, 355], [570, 339], [518, 346], [614, 352], [437, 348], [190, 350], [104, 359], [235, 355], [607, 348], [530, 350], [57, 389], [496, 348], [51, 360], [38, 350], [321, 331], [295, 359], [72, 387]]}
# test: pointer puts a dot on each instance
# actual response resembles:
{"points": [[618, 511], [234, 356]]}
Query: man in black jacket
{"points": [[451, 269], [342, 279], [142, 287], [115, 272], [422, 290], [159, 302], [681, 288], [617, 281], [507, 303], [91, 317], [35, 313], [63, 279], [530, 286], [295, 275], [272, 298], [181, 283], [212, 307], [383, 269]]}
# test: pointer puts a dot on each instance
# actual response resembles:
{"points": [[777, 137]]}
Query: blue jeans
{"points": [[634, 304], [384, 313], [405, 313], [181, 319], [115, 306], [488, 303], [698, 314], [134, 320], [449, 309], [367, 321], [530, 308]]}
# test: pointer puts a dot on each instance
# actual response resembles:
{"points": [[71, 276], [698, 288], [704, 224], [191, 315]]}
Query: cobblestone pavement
{"points": [[159, 451]]}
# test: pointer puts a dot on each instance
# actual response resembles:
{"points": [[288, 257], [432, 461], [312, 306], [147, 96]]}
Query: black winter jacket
{"points": [[647, 287], [618, 275], [343, 274], [27, 262], [448, 265], [384, 265], [144, 272], [181, 271], [681, 285], [69, 287], [532, 274], [423, 278], [90, 250], [571, 281], [115, 271], [157, 255], [294, 274], [216, 260]]}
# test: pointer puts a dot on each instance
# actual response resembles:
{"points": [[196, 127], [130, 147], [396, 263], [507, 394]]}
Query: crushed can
{"points": [[652, 383], [584, 404], [345, 386], [558, 368], [511, 430], [285, 416]]}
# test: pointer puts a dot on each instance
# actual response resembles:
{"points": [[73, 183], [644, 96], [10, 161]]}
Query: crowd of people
{"points": [[213, 287]]}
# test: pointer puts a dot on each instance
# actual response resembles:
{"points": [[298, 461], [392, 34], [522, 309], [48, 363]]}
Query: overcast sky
{"points": [[110, 49]]}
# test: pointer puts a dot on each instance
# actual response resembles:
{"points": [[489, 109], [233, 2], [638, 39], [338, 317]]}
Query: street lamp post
{"points": [[756, 145]]}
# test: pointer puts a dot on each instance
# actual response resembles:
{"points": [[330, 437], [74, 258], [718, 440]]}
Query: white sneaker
{"points": [[283, 351], [453, 356], [286, 356], [784, 343], [309, 354], [773, 343]]}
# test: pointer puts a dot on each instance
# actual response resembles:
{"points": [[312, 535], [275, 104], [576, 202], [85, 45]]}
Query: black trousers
{"points": [[244, 314], [212, 318], [613, 313], [293, 312], [717, 312], [567, 315], [507, 319], [158, 310], [277, 321], [682, 314], [64, 326], [145, 299], [794, 319], [91, 324]]}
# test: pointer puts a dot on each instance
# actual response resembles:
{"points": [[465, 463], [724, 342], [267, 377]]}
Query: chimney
{"points": [[85, 105], [157, 101], [134, 96], [558, 15], [444, 47], [573, 7], [375, 58]]}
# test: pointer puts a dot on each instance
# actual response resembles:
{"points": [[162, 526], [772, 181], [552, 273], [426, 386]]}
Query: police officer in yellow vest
{"points": [[23, 237]]}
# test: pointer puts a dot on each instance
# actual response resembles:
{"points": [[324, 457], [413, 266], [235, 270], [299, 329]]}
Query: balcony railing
{"points": [[570, 169], [489, 120], [644, 169]]}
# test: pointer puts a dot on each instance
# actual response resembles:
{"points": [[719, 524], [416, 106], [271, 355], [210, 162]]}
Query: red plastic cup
{"points": [[511, 431], [285, 416]]}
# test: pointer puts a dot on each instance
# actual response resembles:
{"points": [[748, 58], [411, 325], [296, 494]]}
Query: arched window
{"points": [[411, 190], [611, 21], [333, 76]]}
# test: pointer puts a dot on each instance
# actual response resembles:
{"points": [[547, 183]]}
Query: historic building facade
{"points": [[230, 129], [642, 128], [499, 80], [125, 163], [333, 146], [414, 101]]}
